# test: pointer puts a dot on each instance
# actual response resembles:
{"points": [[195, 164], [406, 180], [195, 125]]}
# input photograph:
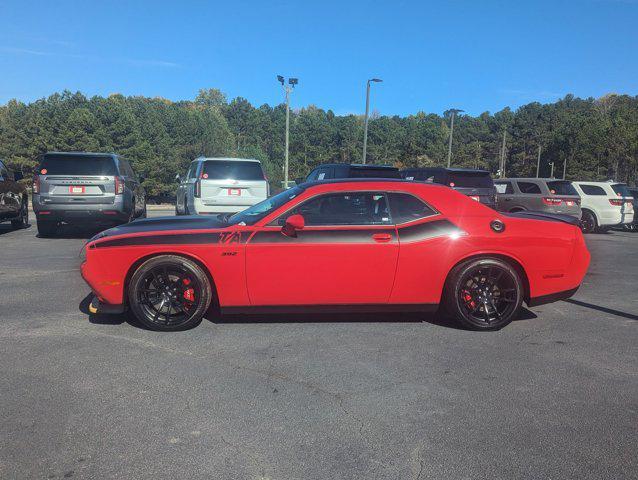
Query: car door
{"points": [[505, 197], [346, 253], [184, 189], [9, 194]]}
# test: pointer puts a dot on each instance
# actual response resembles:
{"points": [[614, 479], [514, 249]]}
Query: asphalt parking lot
{"points": [[553, 395]]}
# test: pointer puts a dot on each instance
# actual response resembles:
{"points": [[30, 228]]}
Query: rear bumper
{"points": [[81, 212], [208, 207]]}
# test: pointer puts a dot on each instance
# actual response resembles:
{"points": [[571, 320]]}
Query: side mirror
{"points": [[17, 176], [178, 178], [299, 180], [293, 223]]}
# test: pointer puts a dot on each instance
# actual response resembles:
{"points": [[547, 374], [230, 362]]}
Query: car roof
{"points": [[226, 159], [81, 154], [532, 179], [445, 169], [357, 165], [356, 180]]}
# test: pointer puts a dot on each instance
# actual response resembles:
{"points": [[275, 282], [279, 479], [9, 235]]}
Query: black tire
{"points": [[169, 278], [483, 293], [47, 228], [588, 222], [23, 220]]}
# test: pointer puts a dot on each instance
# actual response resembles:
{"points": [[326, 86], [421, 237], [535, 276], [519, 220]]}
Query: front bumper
{"points": [[98, 307]]}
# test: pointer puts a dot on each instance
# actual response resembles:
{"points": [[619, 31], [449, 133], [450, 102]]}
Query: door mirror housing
{"points": [[299, 180], [293, 223], [178, 178]]}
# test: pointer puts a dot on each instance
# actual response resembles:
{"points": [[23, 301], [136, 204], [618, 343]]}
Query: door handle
{"points": [[382, 237]]}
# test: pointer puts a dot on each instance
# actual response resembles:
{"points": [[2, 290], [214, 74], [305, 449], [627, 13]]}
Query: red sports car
{"points": [[343, 245]]}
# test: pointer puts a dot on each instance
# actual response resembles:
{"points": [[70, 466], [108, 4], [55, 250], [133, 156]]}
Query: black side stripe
{"points": [[427, 230], [323, 236], [222, 238]]}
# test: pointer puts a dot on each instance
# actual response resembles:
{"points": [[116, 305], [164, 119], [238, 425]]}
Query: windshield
{"points": [[262, 209], [561, 188], [621, 190], [77, 165], [232, 170], [470, 179]]}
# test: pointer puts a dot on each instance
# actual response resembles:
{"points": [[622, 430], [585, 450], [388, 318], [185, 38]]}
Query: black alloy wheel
{"points": [[588, 223], [23, 220], [169, 293], [484, 294]]}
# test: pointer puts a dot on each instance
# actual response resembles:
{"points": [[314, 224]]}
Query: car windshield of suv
{"points": [[561, 188], [260, 210], [470, 180], [374, 173], [77, 165], [232, 170], [621, 190]]}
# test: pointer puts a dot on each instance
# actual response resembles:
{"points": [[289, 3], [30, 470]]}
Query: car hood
{"points": [[162, 224]]}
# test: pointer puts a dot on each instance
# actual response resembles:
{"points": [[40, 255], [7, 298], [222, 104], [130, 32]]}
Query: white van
{"points": [[221, 185], [604, 205]]}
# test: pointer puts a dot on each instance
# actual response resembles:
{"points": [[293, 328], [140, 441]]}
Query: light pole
{"points": [[453, 111], [365, 122], [287, 88], [551, 175]]}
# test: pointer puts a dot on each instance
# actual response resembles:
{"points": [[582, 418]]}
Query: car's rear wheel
{"points": [[169, 293], [47, 228], [484, 293], [23, 220], [588, 222]]}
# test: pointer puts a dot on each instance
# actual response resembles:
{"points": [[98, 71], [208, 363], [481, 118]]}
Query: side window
{"points": [[312, 176], [406, 208], [592, 190], [528, 187], [323, 173], [504, 187], [347, 208], [192, 171]]}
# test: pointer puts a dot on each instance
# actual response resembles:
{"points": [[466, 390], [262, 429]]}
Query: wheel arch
{"points": [[513, 262], [135, 265]]}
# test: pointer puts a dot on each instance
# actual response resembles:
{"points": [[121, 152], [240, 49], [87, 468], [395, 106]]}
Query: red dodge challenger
{"points": [[342, 245]]}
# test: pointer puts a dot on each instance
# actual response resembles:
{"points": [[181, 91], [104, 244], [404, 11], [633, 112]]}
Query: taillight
{"points": [[552, 201], [616, 202], [475, 197], [119, 185], [36, 184], [198, 189]]}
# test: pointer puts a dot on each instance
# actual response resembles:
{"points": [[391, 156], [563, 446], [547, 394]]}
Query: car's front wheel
{"points": [[484, 293], [169, 292], [23, 220]]}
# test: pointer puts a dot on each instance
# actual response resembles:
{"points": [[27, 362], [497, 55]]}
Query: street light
{"points": [[453, 111], [365, 124], [287, 88]]}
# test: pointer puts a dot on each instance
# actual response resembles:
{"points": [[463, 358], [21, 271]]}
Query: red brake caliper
{"points": [[468, 298], [189, 293]]}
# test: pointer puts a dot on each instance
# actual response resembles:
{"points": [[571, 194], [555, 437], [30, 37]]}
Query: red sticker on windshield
{"points": [[44, 171], [451, 184]]}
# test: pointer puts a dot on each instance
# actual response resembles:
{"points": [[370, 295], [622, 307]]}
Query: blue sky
{"points": [[475, 55]]}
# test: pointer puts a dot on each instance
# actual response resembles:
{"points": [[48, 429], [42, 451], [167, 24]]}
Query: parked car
{"points": [[476, 184], [221, 185], [538, 195], [14, 200], [604, 205], [97, 189], [329, 171], [633, 226], [341, 245]]}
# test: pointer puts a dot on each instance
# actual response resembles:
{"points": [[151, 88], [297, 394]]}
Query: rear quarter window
{"points": [[503, 187], [470, 180], [529, 188], [561, 188], [232, 170], [77, 165], [621, 190], [407, 208], [592, 190]]}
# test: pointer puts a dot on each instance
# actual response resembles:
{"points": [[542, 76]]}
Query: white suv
{"points": [[604, 205], [221, 185]]}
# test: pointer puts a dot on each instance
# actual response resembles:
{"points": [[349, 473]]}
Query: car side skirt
{"points": [[552, 297], [356, 308]]}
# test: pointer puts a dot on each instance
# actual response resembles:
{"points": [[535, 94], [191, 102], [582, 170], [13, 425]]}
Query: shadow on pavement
{"points": [[611, 311], [7, 228]]}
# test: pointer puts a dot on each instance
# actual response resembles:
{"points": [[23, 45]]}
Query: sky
{"points": [[476, 55]]}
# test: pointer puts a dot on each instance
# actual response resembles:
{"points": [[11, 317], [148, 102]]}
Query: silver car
{"points": [[537, 195], [221, 185]]}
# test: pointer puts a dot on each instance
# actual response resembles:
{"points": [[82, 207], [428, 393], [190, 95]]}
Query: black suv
{"points": [[82, 187], [476, 184], [14, 200], [328, 171]]}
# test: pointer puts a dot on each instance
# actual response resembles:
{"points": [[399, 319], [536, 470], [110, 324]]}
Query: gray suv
{"points": [[537, 195], [82, 187]]}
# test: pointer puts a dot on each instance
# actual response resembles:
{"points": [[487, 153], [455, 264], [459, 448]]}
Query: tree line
{"points": [[587, 139]]}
